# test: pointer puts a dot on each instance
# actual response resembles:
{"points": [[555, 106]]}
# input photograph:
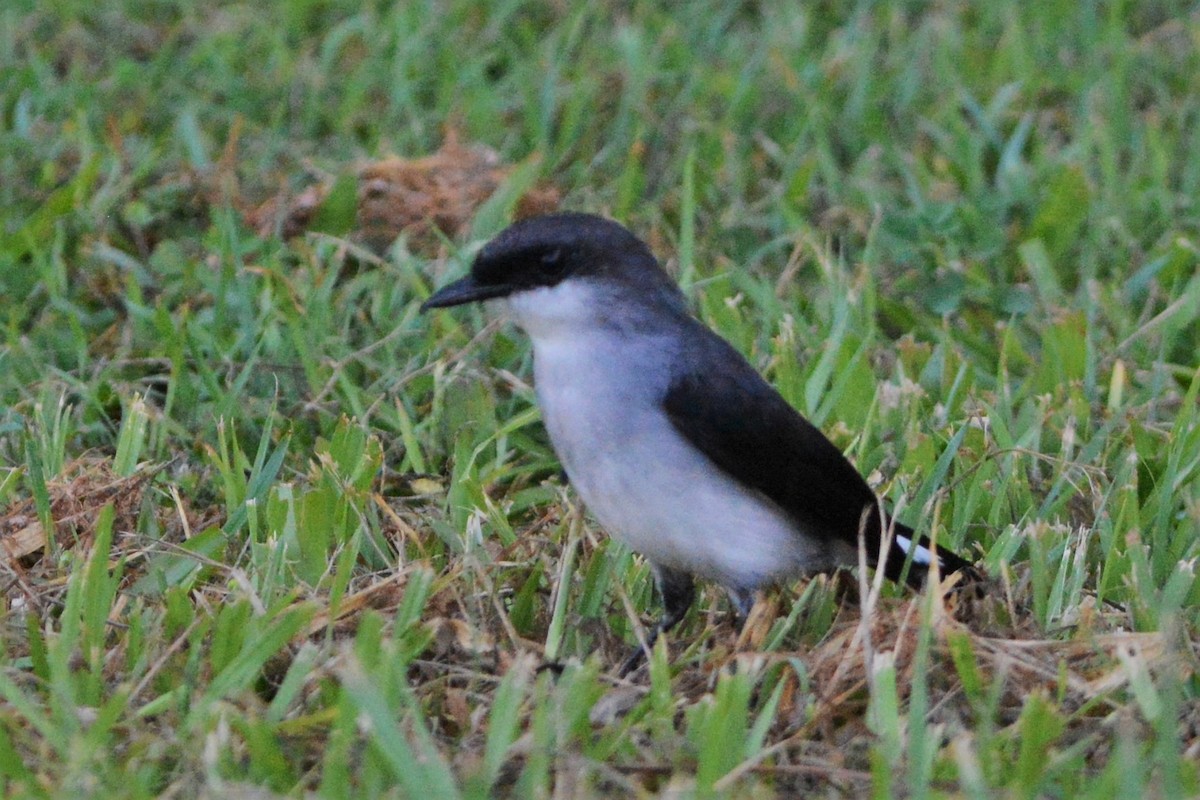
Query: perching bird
{"points": [[675, 443]]}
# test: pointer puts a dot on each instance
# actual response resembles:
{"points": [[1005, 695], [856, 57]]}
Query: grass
{"points": [[270, 530]]}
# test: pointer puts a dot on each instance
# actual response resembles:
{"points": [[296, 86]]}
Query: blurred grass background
{"points": [[304, 540]]}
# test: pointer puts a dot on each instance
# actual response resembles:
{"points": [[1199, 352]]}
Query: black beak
{"points": [[466, 290]]}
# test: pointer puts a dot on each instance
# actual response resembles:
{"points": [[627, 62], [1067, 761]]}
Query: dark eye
{"points": [[552, 264]]}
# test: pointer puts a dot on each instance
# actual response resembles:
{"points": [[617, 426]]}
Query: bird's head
{"points": [[562, 269]]}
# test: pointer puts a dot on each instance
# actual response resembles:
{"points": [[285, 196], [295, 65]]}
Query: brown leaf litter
{"points": [[30, 572], [85, 486], [425, 198]]}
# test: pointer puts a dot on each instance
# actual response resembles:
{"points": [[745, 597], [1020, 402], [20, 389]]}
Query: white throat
{"points": [[565, 309]]}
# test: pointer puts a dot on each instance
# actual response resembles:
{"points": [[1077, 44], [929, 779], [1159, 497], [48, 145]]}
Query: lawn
{"points": [[266, 530]]}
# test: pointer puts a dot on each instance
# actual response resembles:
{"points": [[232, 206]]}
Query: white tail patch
{"points": [[922, 556]]}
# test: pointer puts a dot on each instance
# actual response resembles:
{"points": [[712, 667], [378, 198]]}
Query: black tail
{"points": [[903, 540]]}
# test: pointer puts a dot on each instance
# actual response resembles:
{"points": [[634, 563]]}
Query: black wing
{"points": [[733, 416]]}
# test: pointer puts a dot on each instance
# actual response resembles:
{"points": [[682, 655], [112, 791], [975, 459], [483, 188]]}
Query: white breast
{"points": [[600, 389]]}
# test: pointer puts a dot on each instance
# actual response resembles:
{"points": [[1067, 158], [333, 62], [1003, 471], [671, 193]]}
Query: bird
{"points": [[675, 443]]}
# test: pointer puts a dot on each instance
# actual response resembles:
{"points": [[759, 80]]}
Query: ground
{"points": [[267, 530]]}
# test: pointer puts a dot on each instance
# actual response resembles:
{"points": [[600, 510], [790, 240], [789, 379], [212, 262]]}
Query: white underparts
{"points": [[600, 389], [602, 365]]}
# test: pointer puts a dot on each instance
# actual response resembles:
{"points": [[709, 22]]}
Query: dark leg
{"points": [[677, 590], [742, 601]]}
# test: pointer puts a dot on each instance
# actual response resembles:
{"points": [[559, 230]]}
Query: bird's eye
{"points": [[552, 264]]}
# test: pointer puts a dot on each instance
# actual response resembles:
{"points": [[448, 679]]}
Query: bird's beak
{"points": [[466, 290]]}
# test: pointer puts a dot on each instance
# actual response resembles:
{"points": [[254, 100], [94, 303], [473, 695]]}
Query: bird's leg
{"points": [[742, 601], [678, 591]]}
